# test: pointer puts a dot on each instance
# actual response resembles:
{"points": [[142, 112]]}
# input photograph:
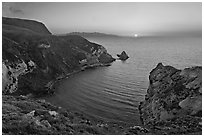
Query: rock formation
{"points": [[174, 100], [123, 56]]}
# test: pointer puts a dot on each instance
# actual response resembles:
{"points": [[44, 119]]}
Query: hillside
{"points": [[26, 24]]}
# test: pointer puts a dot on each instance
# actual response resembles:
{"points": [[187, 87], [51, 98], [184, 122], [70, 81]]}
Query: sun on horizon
{"points": [[136, 35]]}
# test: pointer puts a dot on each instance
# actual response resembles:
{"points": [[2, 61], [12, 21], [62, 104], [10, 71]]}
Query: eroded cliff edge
{"points": [[173, 103]]}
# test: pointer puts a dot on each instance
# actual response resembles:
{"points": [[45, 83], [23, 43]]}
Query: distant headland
{"points": [[92, 34]]}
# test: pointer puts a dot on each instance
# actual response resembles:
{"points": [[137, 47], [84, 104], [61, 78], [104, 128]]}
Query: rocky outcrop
{"points": [[123, 56], [174, 99], [11, 72], [53, 57]]}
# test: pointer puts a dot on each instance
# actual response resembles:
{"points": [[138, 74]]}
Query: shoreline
{"points": [[54, 84]]}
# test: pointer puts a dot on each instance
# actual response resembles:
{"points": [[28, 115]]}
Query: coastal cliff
{"points": [[33, 58], [173, 104]]}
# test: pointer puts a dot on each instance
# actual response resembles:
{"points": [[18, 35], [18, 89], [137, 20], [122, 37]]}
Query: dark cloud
{"points": [[12, 9], [15, 10]]}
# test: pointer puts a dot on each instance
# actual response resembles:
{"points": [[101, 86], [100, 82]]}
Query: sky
{"points": [[114, 18]]}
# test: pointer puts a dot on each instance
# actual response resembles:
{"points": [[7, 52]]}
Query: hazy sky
{"points": [[117, 18]]}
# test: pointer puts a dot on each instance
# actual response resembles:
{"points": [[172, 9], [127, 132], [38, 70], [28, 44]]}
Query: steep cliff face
{"points": [[43, 57], [174, 100]]}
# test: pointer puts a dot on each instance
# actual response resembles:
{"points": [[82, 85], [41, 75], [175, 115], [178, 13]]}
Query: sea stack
{"points": [[123, 56]]}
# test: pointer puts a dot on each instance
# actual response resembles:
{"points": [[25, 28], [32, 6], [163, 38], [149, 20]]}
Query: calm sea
{"points": [[113, 93]]}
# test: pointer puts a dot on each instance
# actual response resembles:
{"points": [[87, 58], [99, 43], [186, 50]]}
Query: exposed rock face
{"points": [[174, 95], [123, 56], [11, 72], [42, 56]]}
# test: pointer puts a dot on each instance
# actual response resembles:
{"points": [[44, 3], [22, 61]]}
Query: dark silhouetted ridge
{"points": [[28, 24]]}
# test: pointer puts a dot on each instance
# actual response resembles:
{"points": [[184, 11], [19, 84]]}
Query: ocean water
{"points": [[113, 93]]}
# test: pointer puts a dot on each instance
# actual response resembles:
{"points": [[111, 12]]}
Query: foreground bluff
{"points": [[33, 57], [173, 103], [24, 116]]}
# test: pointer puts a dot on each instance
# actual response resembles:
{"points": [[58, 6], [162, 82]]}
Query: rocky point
{"points": [[173, 103]]}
